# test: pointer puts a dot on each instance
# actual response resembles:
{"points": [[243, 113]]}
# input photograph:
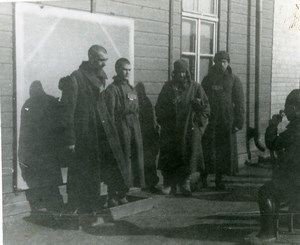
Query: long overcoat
{"points": [[39, 141], [225, 93], [82, 128], [122, 106], [181, 127]]}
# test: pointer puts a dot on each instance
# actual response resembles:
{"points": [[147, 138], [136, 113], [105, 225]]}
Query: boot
{"points": [[122, 198], [168, 186], [166, 190], [220, 186], [267, 231], [267, 215], [112, 202], [203, 180], [185, 187]]}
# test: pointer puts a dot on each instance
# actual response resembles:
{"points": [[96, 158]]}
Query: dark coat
{"points": [[286, 174], [89, 125], [226, 98], [82, 128], [122, 105], [80, 95], [181, 127], [39, 141]]}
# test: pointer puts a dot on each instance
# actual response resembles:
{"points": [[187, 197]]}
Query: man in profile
{"points": [[82, 129]]}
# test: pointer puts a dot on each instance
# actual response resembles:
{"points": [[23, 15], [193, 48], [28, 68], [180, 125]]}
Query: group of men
{"points": [[103, 132], [100, 129], [198, 124]]}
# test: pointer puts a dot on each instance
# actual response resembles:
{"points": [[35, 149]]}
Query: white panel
{"points": [[52, 42]]}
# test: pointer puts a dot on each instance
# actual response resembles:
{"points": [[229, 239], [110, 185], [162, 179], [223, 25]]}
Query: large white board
{"points": [[52, 42]]}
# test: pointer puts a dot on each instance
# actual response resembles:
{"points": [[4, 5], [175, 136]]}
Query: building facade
{"points": [[165, 30]]}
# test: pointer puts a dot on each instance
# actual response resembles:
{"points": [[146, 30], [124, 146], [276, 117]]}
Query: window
{"points": [[199, 31]]}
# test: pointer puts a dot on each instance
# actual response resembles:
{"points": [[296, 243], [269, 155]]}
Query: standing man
{"points": [[226, 98], [182, 111], [122, 105], [82, 127]]}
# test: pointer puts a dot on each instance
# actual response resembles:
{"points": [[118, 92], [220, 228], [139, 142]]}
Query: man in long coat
{"points": [[83, 129], [38, 149], [182, 111], [225, 93], [122, 105]]}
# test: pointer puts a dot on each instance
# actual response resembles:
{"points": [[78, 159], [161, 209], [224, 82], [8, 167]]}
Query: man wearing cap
{"points": [[182, 111], [82, 129], [225, 93], [285, 183]]}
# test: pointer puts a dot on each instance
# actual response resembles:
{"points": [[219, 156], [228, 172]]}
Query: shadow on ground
{"points": [[236, 194], [203, 232]]}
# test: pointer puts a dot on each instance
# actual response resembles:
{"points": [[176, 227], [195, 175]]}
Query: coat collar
{"points": [[119, 81], [214, 70], [98, 80], [294, 124]]}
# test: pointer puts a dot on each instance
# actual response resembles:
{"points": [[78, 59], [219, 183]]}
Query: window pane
{"points": [[200, 6], [207, 38], [188, 35], [207, 6], [191, 60], [205, 64], [190, 5]]}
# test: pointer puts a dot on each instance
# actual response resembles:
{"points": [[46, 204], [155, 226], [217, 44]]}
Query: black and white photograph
{"points": [[150, 122]]}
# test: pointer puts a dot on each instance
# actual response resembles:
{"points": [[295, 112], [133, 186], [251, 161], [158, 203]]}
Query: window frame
{"points": [[199, 18]]}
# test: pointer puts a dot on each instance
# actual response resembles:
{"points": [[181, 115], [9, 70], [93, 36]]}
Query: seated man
{"points": [[285, 182]]}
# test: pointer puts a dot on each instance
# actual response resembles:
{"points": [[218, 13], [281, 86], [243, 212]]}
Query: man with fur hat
{"points": [[182, 111], [285, 183], [225, 93]]}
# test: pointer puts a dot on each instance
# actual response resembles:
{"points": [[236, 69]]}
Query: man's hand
{"points": [[197, 104], [234, 129], [276, 119], [71, 148]]}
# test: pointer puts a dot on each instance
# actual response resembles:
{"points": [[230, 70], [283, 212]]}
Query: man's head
{"points": [[222, 60], [123, 68], [97, 57], [181, 69], [292, 105]]}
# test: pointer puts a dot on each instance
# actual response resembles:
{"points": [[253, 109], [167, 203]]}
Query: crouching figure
{"points": [[285, 183]]}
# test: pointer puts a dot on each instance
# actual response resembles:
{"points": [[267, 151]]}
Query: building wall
{"points": [[151, 35], [6, 83], [286, 51], [151, 55]]}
